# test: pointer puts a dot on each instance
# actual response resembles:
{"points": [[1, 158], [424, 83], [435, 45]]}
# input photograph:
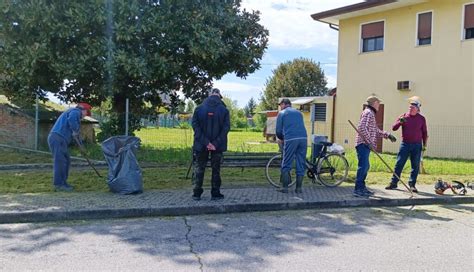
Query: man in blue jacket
{"points": [[66, 128], [291, 131], [211, 123]]}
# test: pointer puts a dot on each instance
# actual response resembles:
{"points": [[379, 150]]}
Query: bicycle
{"points": [[327, 168]]}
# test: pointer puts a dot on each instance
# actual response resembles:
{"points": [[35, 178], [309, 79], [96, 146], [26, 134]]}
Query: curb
{"points": [[90, 214]]}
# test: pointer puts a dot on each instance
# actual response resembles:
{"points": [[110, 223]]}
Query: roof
{"points": [[47, 111], [305, 100], [333, 16]]}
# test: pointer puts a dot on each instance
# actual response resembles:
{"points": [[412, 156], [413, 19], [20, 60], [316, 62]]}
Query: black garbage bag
{"points": [[125, 175]]}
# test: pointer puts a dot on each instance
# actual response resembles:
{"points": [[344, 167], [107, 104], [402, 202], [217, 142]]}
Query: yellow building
{"points": [[398, 49]]}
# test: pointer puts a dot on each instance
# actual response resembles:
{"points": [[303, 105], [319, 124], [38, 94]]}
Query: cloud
{"points": [[236, 88], [332, 81], [290, 24], [239, 92]]}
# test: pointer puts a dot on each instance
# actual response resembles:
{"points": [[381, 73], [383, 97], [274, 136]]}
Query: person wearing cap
{"points": [[366, 140], [291, 131], [211, 124], [414, 140], [65, 129]]}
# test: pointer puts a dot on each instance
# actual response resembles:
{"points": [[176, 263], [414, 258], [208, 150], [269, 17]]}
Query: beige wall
{"points": [[441, 73], [320, 128]]}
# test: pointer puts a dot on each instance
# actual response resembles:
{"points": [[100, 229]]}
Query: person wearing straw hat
{"points": [[414, 140], [366, 142]]}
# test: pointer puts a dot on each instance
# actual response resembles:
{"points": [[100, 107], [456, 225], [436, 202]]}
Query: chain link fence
{"points": [[168, 138]]}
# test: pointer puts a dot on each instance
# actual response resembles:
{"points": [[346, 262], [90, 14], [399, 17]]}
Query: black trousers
{"points": [[200, 160]]}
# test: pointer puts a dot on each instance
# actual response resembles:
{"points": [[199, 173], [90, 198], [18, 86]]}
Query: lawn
{"points": [[174, 178], [170, 150]]}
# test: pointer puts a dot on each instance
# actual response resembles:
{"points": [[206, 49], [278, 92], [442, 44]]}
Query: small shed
{"points": [[318, 114], [17, 126], [269, 131]]}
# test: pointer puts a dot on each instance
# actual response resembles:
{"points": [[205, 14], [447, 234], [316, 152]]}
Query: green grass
{"points": [[173, 178], [11, 156], [172, 148]]}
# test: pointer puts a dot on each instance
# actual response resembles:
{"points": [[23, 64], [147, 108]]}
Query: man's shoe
{"points": [[413, 189], [63, 188], [391, 186], [360, 193], [368, 192], [196, 197], [217, 196]]}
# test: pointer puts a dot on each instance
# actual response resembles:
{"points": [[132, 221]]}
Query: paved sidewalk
{"points": [[17, 208]]}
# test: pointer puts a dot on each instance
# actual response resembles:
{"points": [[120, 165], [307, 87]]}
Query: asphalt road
{"points": [[407, 238]]}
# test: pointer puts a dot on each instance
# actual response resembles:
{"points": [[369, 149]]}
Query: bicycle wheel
{"points": [[333, 170], [273, 170]]}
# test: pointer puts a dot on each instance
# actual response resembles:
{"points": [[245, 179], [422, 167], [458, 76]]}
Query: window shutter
{"points": [[469, 16], [320, 112], [372, 30], [424, 25]]}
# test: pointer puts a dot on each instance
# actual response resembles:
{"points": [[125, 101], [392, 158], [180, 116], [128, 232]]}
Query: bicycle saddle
{"points": [[325, 143]]}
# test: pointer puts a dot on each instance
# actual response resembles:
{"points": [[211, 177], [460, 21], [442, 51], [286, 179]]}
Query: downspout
{"points": [[335, 27], [333, 121]]}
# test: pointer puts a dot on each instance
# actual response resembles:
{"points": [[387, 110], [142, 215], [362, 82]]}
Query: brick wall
{"points": [[16, 128]]}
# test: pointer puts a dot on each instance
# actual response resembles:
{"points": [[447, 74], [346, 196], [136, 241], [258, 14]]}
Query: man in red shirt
{"points": [[414, 139]]}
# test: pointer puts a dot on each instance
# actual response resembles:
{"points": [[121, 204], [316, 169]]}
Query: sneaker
{"points": [[368, 192], [63, 188], [283, 190], [217, 196], [413, 189], [196, 197], [391, 186], [360, 193]]}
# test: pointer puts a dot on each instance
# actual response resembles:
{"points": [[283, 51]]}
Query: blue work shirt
{"points": [[69, 122], [290, 125]]}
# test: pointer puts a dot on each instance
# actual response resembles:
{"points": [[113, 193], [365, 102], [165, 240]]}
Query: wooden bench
{"points": [[242, 160]]}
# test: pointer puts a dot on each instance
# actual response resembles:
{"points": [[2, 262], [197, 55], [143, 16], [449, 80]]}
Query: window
{"points": [[372, 37], [425, 22], [304, 108], [469, 21], [320, 112]]}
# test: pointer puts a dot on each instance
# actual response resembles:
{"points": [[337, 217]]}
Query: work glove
{"points": [[392, 138], [402, 120], [423, 148]]}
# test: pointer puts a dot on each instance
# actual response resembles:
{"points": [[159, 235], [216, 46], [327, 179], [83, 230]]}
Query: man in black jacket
{"points": [[211, 123]]}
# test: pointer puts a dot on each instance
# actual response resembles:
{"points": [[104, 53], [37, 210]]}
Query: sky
{"points": [[292, 34]]}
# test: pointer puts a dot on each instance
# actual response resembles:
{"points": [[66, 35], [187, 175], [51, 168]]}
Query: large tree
{"points": [[137, 49], [296, 78]]}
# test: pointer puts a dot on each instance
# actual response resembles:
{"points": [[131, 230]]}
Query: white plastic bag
{"points": [[335, 148]]}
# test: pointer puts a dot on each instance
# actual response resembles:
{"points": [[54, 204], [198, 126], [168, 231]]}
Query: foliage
{"points": [[237, 115], [296, 78], [249, 109], [143, 50], [260, 119], [190, 106]]}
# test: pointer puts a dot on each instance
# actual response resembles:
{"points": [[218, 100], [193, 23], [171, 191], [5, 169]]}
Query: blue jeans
{"points": [[414, 152], [62, 160], [363, 152], [294, 149]]}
